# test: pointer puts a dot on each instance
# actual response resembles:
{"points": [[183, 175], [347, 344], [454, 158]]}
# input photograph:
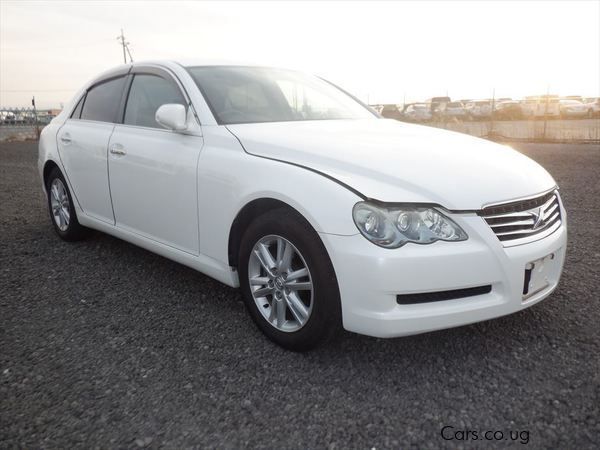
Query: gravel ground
{"points": [[104, 345]]}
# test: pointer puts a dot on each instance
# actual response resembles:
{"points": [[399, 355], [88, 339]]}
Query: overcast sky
{"points": [[381, 52]]}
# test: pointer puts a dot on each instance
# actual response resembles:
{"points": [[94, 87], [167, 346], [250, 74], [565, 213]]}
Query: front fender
{"points": [[229, 179]]}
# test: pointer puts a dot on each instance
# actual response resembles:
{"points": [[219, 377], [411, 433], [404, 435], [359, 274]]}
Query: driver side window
{"points": [[147, 94]]}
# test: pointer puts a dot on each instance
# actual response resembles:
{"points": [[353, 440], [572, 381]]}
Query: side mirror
{"points": [[172, 116]]}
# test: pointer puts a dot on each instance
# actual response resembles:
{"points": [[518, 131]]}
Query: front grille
{"points": [[525, 220]]}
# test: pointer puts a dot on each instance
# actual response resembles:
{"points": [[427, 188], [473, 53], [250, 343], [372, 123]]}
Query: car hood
{"points": [[393, 161]]}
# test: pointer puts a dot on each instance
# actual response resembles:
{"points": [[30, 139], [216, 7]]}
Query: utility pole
{"points": [[546, 112], [125, 46], [129, 53], [493, 106], [37, 124], [122, 39]]}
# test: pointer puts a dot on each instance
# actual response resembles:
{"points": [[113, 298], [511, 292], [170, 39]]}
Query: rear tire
{"points": [[62, 210], [302, 326]]}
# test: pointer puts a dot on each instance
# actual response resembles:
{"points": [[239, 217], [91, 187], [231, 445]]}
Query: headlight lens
{"points": [[394, 226]]}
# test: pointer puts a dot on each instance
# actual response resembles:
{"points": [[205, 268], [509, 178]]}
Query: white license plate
{"points": [[536, 275]]}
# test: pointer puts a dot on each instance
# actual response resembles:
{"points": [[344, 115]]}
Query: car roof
{"points": [[185, 62], [191, 62], [123, 69]]}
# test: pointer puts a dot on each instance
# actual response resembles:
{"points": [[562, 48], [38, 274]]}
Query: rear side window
{"points": [[77, 111], [102, 101], [147, 94]]}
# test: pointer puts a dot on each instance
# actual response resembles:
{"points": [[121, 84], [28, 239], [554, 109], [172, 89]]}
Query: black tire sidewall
{"points": [[74, 230], [325, 318]]}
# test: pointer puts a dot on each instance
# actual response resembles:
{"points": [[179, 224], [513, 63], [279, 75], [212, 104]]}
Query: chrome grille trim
{"points": [[522, 221]]}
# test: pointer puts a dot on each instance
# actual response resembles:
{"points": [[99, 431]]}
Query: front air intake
{"points": [[428, 297]]}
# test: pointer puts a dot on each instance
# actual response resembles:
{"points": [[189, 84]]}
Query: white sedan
{"points": [[572, 109], [325, 215], [418, 112]]}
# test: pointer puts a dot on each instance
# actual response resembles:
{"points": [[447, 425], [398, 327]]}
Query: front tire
{"points": [[288, 282], [61, 208]]}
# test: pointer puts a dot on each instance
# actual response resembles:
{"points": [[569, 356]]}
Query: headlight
{"points": [[394, 226]]}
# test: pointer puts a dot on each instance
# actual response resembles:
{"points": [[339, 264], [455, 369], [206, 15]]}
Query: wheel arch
{"points": [[48, 167], [245, 216]]}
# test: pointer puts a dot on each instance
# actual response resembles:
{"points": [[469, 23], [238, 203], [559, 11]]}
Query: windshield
{"points": [[238, 94]]}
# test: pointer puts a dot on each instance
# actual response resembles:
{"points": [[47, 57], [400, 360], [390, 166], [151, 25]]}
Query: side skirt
{"points": [[208, 266]]}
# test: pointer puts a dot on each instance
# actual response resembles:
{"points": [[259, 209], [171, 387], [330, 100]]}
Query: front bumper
{"points": [[370, 278]]}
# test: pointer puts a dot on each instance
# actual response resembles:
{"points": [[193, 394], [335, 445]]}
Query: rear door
{"points": [[153, 171], [83, 146]]}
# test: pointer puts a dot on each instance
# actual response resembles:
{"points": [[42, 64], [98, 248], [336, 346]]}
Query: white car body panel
{"points": [[82, 147], [480, 260], [223, 193], [201, 179], [154, 185], [393, 161]]}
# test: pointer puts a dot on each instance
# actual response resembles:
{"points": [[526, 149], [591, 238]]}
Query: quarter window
{"points": [[77, 111], [102, 101], [147, 94]]}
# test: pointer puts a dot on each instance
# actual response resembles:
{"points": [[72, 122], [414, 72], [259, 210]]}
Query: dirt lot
{"points": [[103, 344]]}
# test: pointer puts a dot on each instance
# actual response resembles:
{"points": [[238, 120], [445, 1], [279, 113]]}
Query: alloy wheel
{"points": [[280, 283], [59, 203]]}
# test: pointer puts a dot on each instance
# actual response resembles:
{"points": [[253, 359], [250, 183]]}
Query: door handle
{"points": [[117, 149], [66, 138]]}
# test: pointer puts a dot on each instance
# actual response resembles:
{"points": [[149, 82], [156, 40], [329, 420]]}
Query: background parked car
{"points": [[508, 110], [571, 109], [538, 106], [437, 105], [418, 112], [391, 111], [592, 105], [376, 108], [479, 109], [455, 110], [7, 117]]}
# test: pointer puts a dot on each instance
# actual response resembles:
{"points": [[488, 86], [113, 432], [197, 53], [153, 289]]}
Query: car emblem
{"points": [[538, 217]]}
